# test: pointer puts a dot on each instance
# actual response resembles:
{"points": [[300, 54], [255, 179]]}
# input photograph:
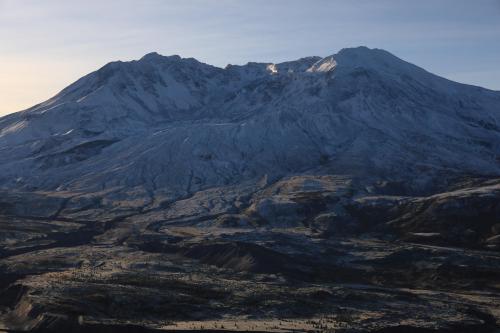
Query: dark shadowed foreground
{"points": [[301, 254]]}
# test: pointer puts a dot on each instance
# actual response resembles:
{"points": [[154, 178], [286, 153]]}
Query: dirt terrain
{"points": [[303, 254]]}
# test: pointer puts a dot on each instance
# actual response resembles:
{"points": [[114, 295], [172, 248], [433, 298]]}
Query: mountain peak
{"points": [[358, 50], [360, 56], [151, 55], [155, 56], [366, 57]]}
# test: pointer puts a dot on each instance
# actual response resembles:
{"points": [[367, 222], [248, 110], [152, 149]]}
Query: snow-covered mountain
{"points": [[177, 125]]}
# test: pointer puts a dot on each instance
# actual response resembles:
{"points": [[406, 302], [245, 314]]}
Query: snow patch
{"points": [[17, 126], [272, 69], [324, 65]]}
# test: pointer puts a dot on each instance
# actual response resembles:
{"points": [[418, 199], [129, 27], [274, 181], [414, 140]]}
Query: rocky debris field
{"points": [[307, 253]]}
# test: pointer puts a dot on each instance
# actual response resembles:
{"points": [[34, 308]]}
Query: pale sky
{"points": [[46, 45]]}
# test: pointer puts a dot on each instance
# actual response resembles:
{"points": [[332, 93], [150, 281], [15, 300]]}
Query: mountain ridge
{"points": [[361, 111]]}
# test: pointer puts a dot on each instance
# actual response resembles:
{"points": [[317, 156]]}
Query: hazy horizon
{"points": [[47, 46]]}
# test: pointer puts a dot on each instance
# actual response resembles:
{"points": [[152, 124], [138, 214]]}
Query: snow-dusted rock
{"points": [[176, 126]]}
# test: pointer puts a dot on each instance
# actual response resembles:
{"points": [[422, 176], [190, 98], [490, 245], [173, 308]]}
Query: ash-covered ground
{"points": [[302, 254]]}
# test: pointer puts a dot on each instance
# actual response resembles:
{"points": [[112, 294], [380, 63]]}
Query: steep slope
{"points": [[178, 125]]}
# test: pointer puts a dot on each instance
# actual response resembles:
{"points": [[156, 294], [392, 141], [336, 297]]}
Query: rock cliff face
{"points": [[355, 192]]}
